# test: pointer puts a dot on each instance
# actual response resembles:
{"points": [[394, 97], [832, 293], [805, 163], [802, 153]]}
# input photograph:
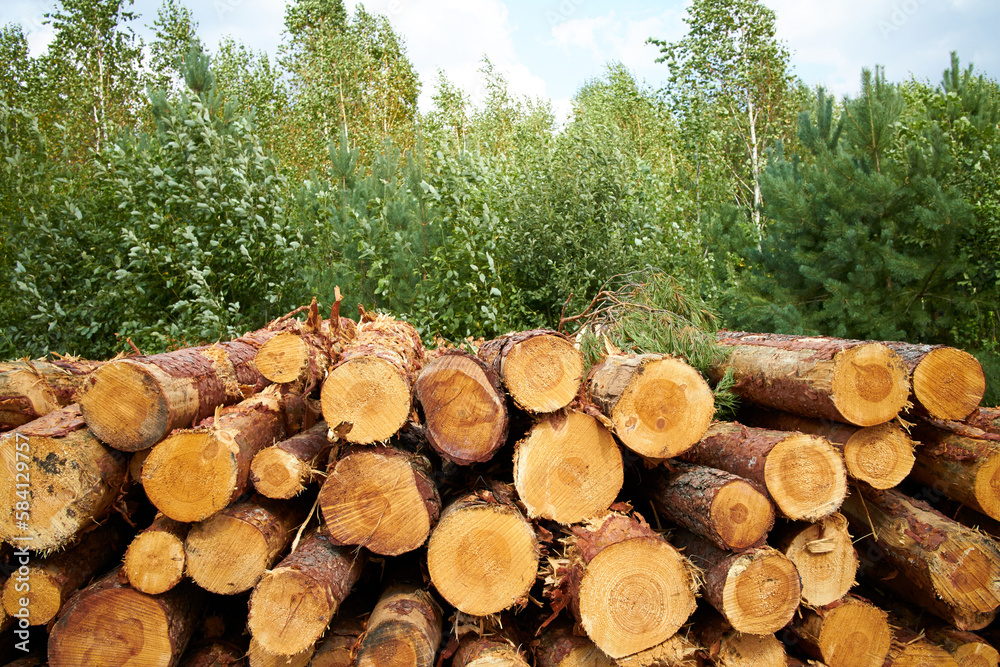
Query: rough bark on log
{"points": [[947, 382], [340, 644], [844, 380], [965, 469], [369, 390], [31, 389], [464, 407], [659, 406], [541, 369], [804, 475], [568, 468], [154, 562], [285, 469], [559, 647], [824, 555], [132, 404], [717, 505], [57, 478], [850, 632], [987, 419], [403, 629]]}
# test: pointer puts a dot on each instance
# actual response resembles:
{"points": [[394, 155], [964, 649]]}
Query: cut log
{"points": [[493, 650], [193, 474], [33, 389], [369, 389], [57, 479], [293, 603], [338, 647], [568, 468], [258, 656], [659, 406], [483, 554], [968, 649], [464, 407], [215, 654], [112, 625], [851, 632], [678, 651], [804, 475], [154, 562], [132, 404], [726, 647], [756, 590], [380, 497], [965, 469], [285, 469], [880, 455], [948, 383], [828, 378], [229, 552], [559, 647], [302, 353], [717, 505], [403, 630], [823, 553], [925, 557], [541, 369], [910, 649]]}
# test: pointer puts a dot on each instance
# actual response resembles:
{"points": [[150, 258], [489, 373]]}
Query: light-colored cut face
{"points": [[282, 358], [966, 576], [191, 476], [824, 555], [949, 383], [870, 384], [568, 469], [664, 410], [543, 373], [922, 653], [761, 592], [634, 595], [806, 477], [42, 595], [154, 561], [987, 489], [977, 654], [288, 610], [125, 406], [483, 559], [587, 656], [369, 393], [741, 514], [278, 474], [880, 455], [259, 657], [746, 650], [855, 634], [499, 658], [226, 555]]}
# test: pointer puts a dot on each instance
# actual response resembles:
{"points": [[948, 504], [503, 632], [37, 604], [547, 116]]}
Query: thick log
{"points": [[285, 469], [380, 497], [844, 380], [31, 389], [910, 649], [726, 647], [340, 644], [154, 562], [824, 555], [559, 647], [850, 632], [925, 557], [215, 654], [717, 505], [804, 475], [464, 407], [948, 383], [541, 369], [568, 468], [292, 604], [132, 404], [403, 629], [880, 455], [229, 552], [193, 474], [110, 624], [659, 406], [483, 554], [369, 390], [964, 469], [677, 651], [56, 478]]}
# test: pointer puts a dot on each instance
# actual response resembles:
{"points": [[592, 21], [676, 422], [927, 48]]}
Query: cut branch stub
{"points": [[154, 561], [824, 556], [33, 389], [404, 629], [283, 470], [965, 469], [659, 406], [947, 382], [541, 369]]}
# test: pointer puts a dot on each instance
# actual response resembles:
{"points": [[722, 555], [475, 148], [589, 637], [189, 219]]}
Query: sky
{"points": [[550, 48]]}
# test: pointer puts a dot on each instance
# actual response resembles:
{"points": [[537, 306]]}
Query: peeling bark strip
{"points": [[367, 394], [33, 389], [850, 632], [925, 557], [283, 470], [659, 406], [804, 475], [110, 624], [73, 479], [133, 403], [964, 469], [541, 369], [824, 555], [154, 561], [403, 629], [844, 380], [947, 382]]}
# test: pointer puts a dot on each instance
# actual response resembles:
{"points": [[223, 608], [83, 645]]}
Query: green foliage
{"points": [[176, 33]]}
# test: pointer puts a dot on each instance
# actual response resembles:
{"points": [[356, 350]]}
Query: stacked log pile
{"points": [[328, 492]]}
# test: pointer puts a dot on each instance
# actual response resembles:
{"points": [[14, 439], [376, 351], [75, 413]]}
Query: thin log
{"points": [[403, 629], [285, 469], [154, 562], [340, 644], [911, 649], [258, 656], [727, 647], [541, 369], [215, 654]]}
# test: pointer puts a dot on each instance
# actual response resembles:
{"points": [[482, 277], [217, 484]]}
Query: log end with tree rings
{"points": [[824, 556], [805, 477], [635, 594], [949, 383], [568, 468], [870, 384], [854, 634], [226, 555], [370, 394], [279, 474], [543, 373], [126, 405], [986, 489], [880, 455], [741, 515], [283, 358], [154, 561], [740, 649], [761, 591], [192, 474]]}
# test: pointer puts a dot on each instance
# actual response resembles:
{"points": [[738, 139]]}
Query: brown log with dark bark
{"points": [[30, 389], [947, 382], [195, 473], [285, 469], [850, 632], [292, 604], [113, 625], [880, 455], [303, 352], [215, 654], [541, 369], [986, 419], [133, 403], [56, 478], [824, 555], [964, 469], [803, 474], [154, 562], [380, 497], [717, 505], [404, 630], [568, 468], [659, 406], [729, 648], [464, 407], [850, 381], [560, 647], [925, 557], [967, 648], [367, 395], [340, 644], [911, 649]]}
